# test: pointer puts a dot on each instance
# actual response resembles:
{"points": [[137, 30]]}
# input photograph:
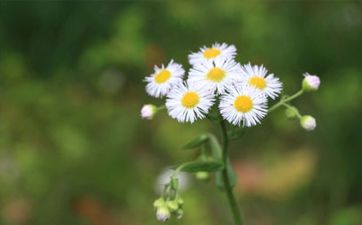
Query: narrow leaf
{"points": [[215, 147], [231, 174], [197, 142], [197, 166]]}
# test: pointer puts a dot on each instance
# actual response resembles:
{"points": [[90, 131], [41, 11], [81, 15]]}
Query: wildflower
{"points": [[163, 79], [148, 111], [244, 105], [216, 51], [216, 75], [310, 82], [308, 122], [187, 102], [256, 76]]}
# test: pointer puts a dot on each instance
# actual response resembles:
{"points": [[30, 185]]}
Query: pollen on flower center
{"points": [[190, 99], [162, 76], [216, 74], [258, 82], [211, 53], [243, 104]]}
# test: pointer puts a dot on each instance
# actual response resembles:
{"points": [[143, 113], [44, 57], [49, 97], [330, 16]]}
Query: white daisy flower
{"points": [[244, 105], [216, 51], [164, 78], [256, 76], [187, 102], [217, 75]]}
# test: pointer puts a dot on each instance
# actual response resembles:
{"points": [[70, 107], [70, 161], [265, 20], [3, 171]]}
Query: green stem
{"points": [[228, 189], [285, 100]]}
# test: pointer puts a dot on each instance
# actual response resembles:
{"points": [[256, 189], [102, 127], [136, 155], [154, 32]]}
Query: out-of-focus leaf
{"points": [[196, 166], [215, 147], [231, 174], [217, 154], [197, 142]]}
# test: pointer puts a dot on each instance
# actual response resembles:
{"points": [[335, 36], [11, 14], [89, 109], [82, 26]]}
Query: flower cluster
{"points": [[241, 91], [217, 87], [170, 203]]}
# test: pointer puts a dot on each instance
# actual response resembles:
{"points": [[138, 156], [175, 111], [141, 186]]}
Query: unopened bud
{"points": [[172, 205], [308, 122], [163, 214], [158, 203], [148, 111], [180, 201], [310, 82], [179, 213], [202, 175], [291, 112]]}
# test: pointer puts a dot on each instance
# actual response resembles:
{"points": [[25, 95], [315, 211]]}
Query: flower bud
{"points": [[180, 201], [163, 214], [308, 122], [173, 205], [310, 82], [148, 111], [158, 203], [179, 213], [291, 112], [201, 175]]}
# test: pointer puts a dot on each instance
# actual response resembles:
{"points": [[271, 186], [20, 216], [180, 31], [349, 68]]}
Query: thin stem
{"points": [[228, 189], [285, 100]]}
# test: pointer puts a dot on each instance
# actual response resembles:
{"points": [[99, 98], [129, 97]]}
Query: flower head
{"points": [[188, 102], [310, 82], [256, 76], [216, 75], [216, 51], [243, 105], [148, 111], [163, 79], [308, 122]]}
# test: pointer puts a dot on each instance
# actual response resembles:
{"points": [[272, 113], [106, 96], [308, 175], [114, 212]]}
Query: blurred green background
{"points": [[73, 149]]}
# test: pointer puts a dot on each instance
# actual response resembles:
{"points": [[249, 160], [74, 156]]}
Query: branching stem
{"points": [[285, 100]]}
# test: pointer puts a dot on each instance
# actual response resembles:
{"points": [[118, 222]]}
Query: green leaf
{"points": [[217, 154], [198, 166], [197, 142], [231, 174], [215, 147]]}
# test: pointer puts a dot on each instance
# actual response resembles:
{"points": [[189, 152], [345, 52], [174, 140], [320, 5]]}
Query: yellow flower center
{"points": [[162, 76], [243, 104], [211, 53], [216, 74], [190, 99], [258, 82]]}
